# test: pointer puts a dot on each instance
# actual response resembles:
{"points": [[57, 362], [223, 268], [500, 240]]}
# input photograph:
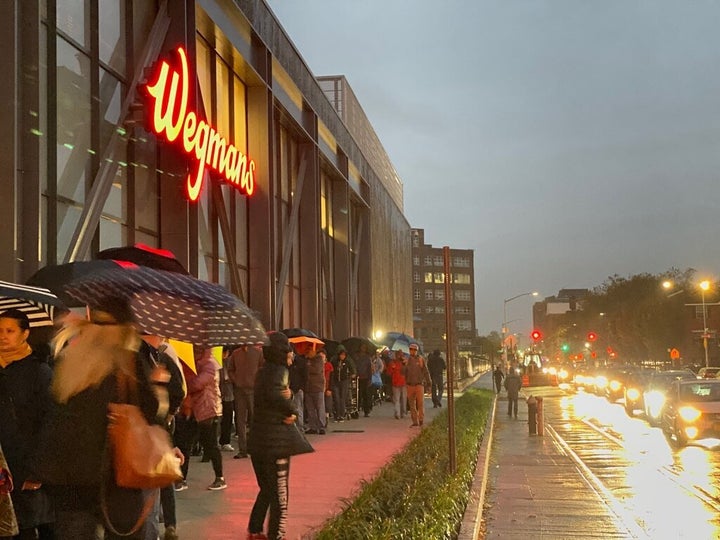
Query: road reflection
{"points": [[669, 492]]}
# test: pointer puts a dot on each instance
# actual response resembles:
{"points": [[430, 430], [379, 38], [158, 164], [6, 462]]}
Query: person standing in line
{"points": [[417, 376], [498, 377], [363, 364], [227, 395], [436, 366], [327, 369], [271, 442], [342, 374], [513, 383], [8, 521], [204, 393], [242, 367], [396, 370], [298, 381], [315, 390], [25, 403]]}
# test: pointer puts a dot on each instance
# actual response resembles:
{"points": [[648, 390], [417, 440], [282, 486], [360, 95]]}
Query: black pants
{"points": [[208, 434], [365, 390], [186, 432], [437, 388], [512, 406], [498, 385], [273, 480], [226, 424]]}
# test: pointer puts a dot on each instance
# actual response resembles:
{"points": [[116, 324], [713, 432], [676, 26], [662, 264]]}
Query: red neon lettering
{"points": [[171, 119]]}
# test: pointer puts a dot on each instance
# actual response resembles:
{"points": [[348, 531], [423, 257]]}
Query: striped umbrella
{"points": [[172, 305], [37, 303]]}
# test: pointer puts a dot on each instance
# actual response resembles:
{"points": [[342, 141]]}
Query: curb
{"points": [[472, 518]]}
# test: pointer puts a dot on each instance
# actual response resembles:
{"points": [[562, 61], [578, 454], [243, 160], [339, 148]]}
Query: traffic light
{"points": [[565, 347], [536, 335], [592, 336]]}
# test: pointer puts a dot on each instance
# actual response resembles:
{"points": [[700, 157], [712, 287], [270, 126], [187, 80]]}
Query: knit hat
{"points": [[340, 349], [278, 348]]}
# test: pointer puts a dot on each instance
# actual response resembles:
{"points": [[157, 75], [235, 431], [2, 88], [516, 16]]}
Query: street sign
{"points": [[674, 354]]}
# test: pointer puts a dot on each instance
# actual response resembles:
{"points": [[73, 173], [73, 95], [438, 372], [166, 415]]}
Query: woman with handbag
{"points": [[274, 437], [93, 359]]}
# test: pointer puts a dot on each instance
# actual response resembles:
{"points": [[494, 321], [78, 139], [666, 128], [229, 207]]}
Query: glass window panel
{"points": [[223, 95], [73, 121], [241, 230], [203, 74], [147, 239], [111, 22], [428, 277], [439, 277], [205, 252], [110, 107], [67, 220], [116, 203], [42, 115], [240, 114], [146, 183], [112, 234], [73, 17]]}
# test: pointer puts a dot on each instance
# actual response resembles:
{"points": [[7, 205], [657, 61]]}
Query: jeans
{"points": [[299, 399], [243, 415], [437, 390], [272, 477], [315, 402], [340, 391], [399, 397]]}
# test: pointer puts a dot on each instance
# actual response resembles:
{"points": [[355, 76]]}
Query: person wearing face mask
{"points": [[24, 405]]}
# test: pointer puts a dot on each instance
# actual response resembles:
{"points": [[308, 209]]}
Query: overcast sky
{"points": [[562, 141]]}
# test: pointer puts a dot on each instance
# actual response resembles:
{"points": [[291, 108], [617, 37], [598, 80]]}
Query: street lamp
{"points": [[704, 286], [505, 321]]}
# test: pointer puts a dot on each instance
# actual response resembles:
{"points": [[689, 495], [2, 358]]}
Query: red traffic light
{"points": [[592, 336], [536, 335]]}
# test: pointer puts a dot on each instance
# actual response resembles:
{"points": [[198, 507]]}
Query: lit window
{"points": [[439, 277], [428, 277]]}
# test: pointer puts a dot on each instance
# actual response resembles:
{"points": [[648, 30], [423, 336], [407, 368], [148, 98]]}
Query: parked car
{"points": [[616, 380], [692, 411], [708, 373], [656, 389]]}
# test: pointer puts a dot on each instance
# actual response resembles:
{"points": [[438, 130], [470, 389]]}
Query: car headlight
{"points": [[563, 374], [654, 401], [601, 382], [553, 371], [614, 386], [689, 413], [633, 394]]}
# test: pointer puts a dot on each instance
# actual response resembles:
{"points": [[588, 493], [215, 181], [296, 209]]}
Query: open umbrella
{"points": [[39, 304], [352, 344], [172, 305], [142, 255], [299, 332], [397, 341], [56, 276]]}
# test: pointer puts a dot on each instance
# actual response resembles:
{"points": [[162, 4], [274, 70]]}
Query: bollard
{"points": [[540, 419], [532, 415]]}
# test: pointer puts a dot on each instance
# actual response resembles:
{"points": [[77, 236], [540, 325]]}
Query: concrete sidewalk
{"points": [[350, 452], [528, 486]]}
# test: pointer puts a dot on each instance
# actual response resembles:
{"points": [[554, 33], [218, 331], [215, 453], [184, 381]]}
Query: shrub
{"points": [[414, 496]]}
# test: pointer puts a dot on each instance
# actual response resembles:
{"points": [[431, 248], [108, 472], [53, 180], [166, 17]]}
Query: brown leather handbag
{"points": [[142, 454]]}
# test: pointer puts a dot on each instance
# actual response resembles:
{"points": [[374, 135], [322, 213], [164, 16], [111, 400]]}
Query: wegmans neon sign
{"points": [[170, 118]]}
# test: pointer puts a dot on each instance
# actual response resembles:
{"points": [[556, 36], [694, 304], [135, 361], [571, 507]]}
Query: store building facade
{"points": [[196, 126]]}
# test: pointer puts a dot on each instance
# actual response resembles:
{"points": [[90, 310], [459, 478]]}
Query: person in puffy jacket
{"points": [[342, 373], [269, 442], [206, 405]]}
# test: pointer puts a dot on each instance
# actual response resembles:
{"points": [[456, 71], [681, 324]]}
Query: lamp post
{"points": [[704, 286], [505, 321]]}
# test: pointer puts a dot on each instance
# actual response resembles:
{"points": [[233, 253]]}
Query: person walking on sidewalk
{"points": [[396, 370], [436, 366], [513, 383], [242, 366], [271, 442], [498, 377], [417, 376]]}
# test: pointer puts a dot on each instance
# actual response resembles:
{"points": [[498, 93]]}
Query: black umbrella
{"points": [[299, 332], [352, 344], [142, 255], [37, 303], [56, 276], [172, 305]]}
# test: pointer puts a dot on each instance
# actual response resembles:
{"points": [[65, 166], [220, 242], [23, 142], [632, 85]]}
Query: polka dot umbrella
{"points": [[172, 305]]}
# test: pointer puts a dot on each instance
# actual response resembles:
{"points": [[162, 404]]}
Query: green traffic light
{"points": [[565, 347]]}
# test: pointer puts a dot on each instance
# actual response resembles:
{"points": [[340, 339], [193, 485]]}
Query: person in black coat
{"points": [[24, 407], [270, 443], [436, 367]]}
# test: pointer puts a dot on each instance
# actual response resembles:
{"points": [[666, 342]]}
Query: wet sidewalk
{"points": [[533, 487], [350, 452]]}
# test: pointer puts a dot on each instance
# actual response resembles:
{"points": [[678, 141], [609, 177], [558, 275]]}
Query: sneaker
{"points": [[181, 485], [321, 432], [311, 432], [227, 448], [240, 455], [218, 484], [170, 533]]}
